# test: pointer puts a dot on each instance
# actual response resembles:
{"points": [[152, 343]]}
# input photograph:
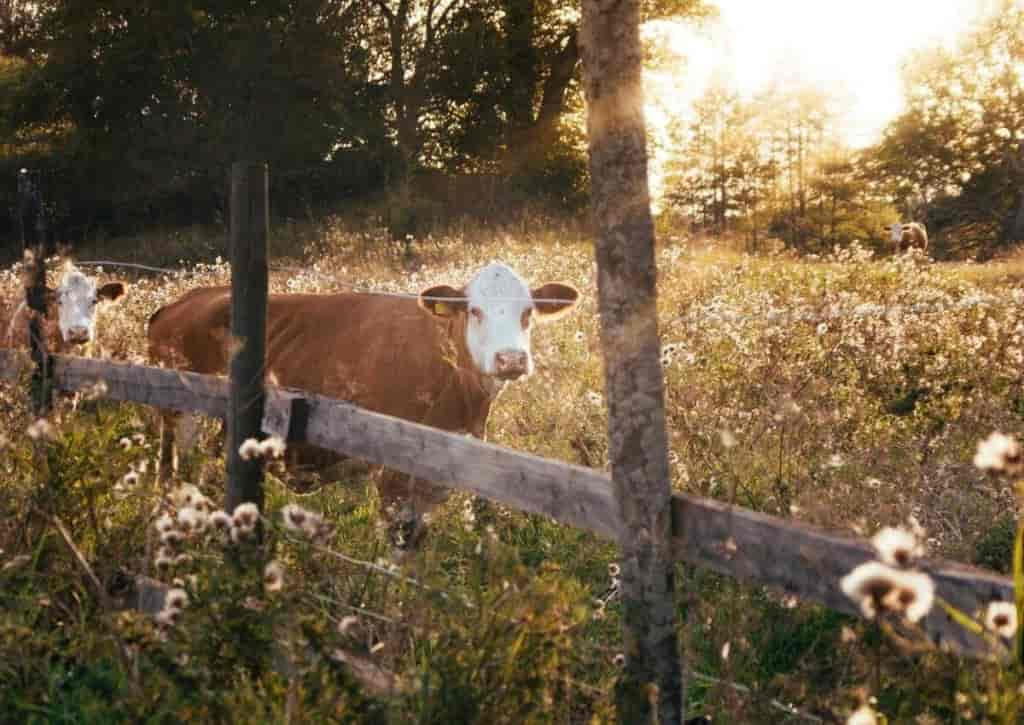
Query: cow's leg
{"points": [[404, 501], [167, 464]]}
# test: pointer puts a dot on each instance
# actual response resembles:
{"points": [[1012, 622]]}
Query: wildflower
{"points": [[725, 650], [347, 623], [125, 443], [131, 478], [376, 648], [273, 577], [168, 617], [1001, 618], [822, 329], [619, 660], [138, 438], [164, 523], [863, 715], [42, 429], [191, 520], [182, 559], [877, 587], [246, 515], [176, 598], [186, 495], [613, 570], [171, 537], [249, 449], [220, 520], [164, 559], [998, 453], [897, 546], [295, 517], [272, 447], [727, 438]]}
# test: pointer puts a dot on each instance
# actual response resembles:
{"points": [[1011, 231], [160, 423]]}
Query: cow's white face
{"points": [[499, 311], [76, 299], [896, 230]]}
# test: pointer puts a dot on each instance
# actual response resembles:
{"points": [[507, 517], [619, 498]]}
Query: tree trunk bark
{"points": [[651, 688], [1017, 233]]}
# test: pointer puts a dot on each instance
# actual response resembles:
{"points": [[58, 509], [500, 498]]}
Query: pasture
{"points": [[843, 390]]}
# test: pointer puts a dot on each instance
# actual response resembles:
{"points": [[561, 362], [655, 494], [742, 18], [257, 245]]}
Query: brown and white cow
{"points": [[906, 236], [70, 312], [440, 359]]}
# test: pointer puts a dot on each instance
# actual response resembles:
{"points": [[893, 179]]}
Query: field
{"points": [[843, 390]]}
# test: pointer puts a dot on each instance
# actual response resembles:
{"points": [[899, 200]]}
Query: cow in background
{"points": [[910, 235], [70, 312]]}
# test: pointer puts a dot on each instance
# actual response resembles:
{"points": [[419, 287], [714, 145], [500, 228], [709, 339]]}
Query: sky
{"points": [[854, 49]]}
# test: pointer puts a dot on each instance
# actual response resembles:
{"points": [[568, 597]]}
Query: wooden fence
{"points": [[792, 557]]}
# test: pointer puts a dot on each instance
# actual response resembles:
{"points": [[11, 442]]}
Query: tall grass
{"points": [[842, 390]]}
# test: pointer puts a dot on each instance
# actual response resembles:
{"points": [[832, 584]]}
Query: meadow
{"points": [[847, 389]]}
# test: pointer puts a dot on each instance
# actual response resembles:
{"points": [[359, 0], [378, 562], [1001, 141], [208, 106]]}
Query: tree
{"points": [[959, 146], [651, 687]]}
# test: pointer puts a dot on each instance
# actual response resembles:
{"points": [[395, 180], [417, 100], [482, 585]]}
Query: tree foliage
{"points": [[135, 109], [956, 155]]}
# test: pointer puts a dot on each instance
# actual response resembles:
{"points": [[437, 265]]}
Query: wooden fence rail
{"points": [[801, 560]]}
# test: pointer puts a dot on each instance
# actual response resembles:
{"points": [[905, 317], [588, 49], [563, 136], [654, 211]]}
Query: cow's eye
{"points": [[477, 313]]}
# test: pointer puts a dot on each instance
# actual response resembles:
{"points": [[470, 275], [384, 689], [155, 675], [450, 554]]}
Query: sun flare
{"points": [[854, 51]]}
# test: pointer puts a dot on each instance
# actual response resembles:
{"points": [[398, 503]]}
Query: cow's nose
{"points": [[511, 364], [78, 334]]}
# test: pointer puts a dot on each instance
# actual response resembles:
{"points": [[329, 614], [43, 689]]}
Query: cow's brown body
{"points": [[913, 235], [384, 354]]}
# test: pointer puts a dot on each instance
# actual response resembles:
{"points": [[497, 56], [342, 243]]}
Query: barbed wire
{"points": [[776, 316]]}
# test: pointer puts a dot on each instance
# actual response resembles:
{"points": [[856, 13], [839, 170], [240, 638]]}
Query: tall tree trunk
{"points": [[651, 688], [1017, 233]]}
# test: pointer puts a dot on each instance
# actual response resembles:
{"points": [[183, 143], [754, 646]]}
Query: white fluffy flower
{"points": [[245, 516], [176, 598], [272, 447], [863, 715], [220, 520], [877, 587], [1001, 618], [273, 577], [249, 449], [42, 429], [896, 546], [999, 452]]}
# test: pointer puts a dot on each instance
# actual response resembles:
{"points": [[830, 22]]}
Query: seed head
{"points": [[1001, 618], [897, 546], [999, 453]]}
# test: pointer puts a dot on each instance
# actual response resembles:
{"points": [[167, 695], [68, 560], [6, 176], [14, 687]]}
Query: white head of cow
{"points": [[76, 298], [896, 230], [499, 308]]}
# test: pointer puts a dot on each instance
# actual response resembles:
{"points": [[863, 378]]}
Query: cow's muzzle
{"points": [[78, 335], [511, 364]]}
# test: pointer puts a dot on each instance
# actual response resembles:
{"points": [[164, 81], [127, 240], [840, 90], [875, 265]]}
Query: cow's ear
{"points": [[443, 300], [110, 291], [554, 299]]}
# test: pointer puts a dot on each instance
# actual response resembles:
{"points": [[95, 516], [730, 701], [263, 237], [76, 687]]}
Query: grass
{"points": [[846, 391]]}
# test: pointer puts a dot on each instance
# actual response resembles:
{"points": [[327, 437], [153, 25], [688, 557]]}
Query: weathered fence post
{"points": [[651, 689], [30, 219], [249, 223]]}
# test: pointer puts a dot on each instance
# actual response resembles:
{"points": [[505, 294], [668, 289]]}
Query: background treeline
{"points": [[775, 166], [415, 112], [135, 108]]}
